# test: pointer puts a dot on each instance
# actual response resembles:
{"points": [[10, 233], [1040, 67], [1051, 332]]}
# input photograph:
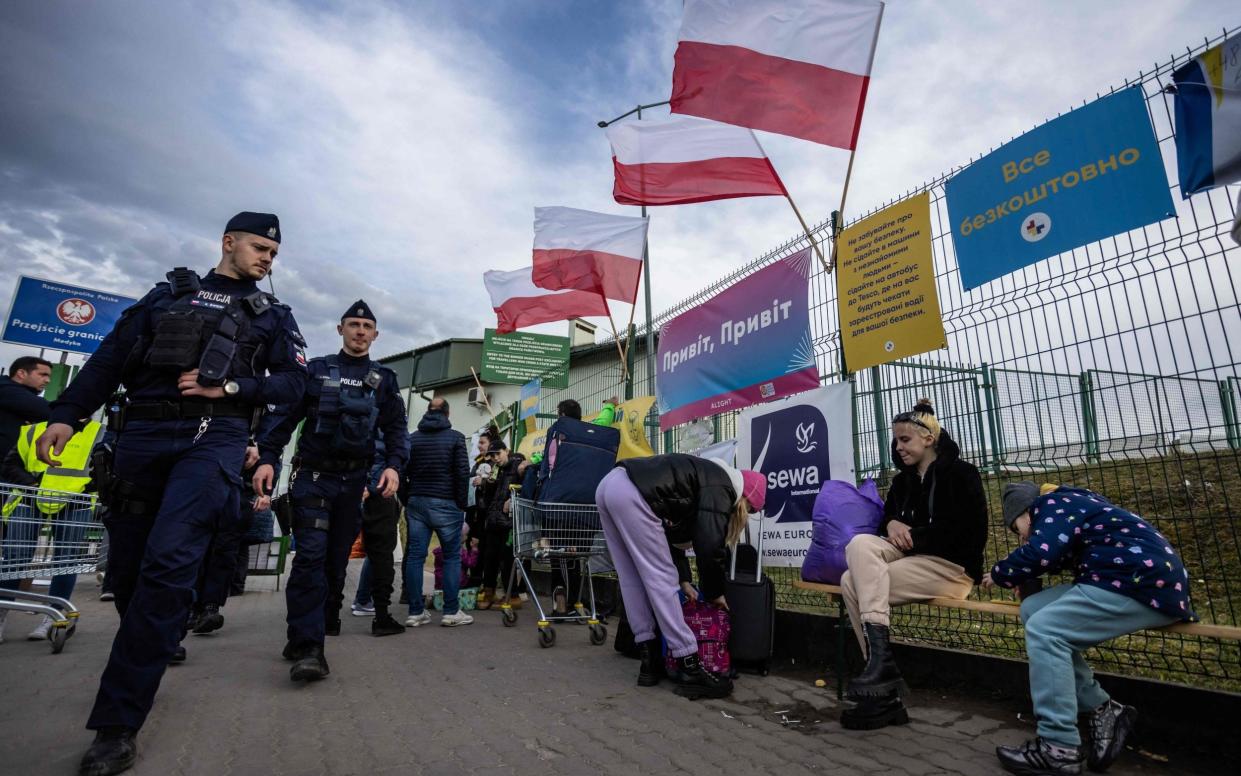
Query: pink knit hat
{"points": [[755, 490]]}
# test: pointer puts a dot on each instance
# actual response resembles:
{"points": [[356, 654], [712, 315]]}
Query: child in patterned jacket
{"points": [[1127, 577]]}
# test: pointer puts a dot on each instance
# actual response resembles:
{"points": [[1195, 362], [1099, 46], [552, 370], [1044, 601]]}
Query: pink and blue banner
{"points": [[748, 344]]}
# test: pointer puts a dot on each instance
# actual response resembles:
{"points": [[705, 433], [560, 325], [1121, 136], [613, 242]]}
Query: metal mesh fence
{"points": [[1110, 367]]}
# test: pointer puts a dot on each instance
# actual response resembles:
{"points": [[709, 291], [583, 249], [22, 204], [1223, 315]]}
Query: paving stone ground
{"points": [[481, 699]]}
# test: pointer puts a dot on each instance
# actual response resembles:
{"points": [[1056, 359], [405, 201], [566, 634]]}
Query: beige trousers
{"points": [[880, 576]]}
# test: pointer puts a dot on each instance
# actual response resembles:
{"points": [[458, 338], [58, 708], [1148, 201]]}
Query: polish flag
{"points": [[518, 302], [682, 159], [587, 251], [794, 67]]}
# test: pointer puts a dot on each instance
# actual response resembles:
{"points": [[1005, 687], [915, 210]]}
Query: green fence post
{"points": [[881, 425], [1090, 429], [857, 450], [1228, 400], [992, 395]]}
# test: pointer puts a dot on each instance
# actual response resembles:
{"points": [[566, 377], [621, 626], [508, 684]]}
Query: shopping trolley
{"points": [[560, 534], [45, 533]]}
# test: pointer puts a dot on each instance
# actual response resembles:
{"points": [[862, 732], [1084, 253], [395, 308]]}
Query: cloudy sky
{"points": [[404, 145]]}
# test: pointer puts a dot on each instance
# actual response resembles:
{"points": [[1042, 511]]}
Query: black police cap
{"points": [[359, 309], [262, 224]]}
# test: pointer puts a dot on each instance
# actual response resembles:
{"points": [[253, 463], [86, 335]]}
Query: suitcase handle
{"points": [[758, 567]]}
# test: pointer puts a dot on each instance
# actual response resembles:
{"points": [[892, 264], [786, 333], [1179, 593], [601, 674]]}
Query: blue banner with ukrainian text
{"points": [[1089, 174]]}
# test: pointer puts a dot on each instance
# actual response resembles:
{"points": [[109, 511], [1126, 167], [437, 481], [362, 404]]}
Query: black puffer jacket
{"points": [[19, 405], [954, 526], [694, 498], [506, 475], [439, 465]]}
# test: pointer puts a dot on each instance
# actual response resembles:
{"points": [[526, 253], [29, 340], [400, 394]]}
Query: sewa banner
{"points": [[797, 444], [748, 344]]}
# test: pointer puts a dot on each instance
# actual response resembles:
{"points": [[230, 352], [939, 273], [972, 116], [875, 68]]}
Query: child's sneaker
{"points": [[453, 620], [40, 631], [415, 620]]}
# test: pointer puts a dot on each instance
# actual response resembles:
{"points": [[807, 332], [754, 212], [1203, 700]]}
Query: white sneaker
{"points": [[414, 620], [362, 610], [453, 620], [40, 631]]}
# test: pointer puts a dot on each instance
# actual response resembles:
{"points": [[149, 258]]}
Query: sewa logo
{"points": [[787, 448]]}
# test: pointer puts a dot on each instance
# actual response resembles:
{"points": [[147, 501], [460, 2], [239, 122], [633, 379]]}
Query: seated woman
{"points": [[930, 545], [648, 506], [1126, 578]]}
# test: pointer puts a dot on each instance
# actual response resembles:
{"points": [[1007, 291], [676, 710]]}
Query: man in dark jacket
{"points": [[20, 402], [439, 475]]}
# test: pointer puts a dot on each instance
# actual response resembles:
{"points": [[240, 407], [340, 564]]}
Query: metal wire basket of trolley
{"points": [[567, 536], [47, 533]]}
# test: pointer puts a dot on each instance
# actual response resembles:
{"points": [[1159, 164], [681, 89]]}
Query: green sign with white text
{"points": [[520, 357]]}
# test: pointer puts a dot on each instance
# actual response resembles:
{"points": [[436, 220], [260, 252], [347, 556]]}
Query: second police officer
{"points": [[198, 357], [348, 397]]}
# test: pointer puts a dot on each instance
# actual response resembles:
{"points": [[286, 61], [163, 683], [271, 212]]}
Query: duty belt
{"points": [[176, 410], [336, 465]]}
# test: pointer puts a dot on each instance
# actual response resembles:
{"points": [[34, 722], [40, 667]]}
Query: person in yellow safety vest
{"points": [[24, 516]]}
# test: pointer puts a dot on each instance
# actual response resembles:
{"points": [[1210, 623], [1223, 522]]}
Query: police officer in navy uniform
{"points": [[348, 397], [197, 356]]}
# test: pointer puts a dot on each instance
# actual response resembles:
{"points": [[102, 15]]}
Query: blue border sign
{"points": [[1090, 174], [57, 316]]}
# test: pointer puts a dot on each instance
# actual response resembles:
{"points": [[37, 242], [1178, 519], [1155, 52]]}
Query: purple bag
{"points": [[841, 512]]}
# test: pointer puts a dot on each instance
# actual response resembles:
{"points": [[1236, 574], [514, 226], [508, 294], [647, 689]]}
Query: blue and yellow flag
{"points": [[1208, 118]]}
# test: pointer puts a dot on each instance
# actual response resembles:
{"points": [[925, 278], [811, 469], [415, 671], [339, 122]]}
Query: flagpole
{"points": [[646, 271], [839, 220], [486, 401], [619, 351]]}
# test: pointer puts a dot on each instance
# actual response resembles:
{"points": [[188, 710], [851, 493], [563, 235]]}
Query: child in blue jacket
{"points": [[1127, 577]]}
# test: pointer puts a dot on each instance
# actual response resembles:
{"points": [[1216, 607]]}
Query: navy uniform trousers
{"points": [[327, 515], [154, 560]]}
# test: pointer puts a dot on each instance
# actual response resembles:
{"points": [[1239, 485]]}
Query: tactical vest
{"points": [[71, 476], [346, 414], [208, 331]]}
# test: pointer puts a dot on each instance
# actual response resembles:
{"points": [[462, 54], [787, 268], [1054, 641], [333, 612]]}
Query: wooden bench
{"points": [[1001, 607]]}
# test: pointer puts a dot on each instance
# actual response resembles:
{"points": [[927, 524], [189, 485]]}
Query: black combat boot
{"points": [[1110, 725], [880, 676], [384, 625], [113, 751], [209, 620], [332, 627], [178, 655], [1039, 758], [311, 667], [293, 652], [872, 713], [652, 668], [695, 681]]}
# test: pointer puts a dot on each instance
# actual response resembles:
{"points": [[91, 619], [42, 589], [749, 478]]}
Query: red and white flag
{"points": [[682, 159], [794, 67], [588, 251], [518, 302]]}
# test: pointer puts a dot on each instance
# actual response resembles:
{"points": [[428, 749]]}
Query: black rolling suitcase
{"points": [[751, 598]]}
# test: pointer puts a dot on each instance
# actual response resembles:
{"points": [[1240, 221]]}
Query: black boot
{"points": [[695, 681], [113, 751], [332, 627], [178, 655], [1038, 758], [293, 652], [874, 713], [652, 668], [209, 620], [196, 616], [311, 667], [880, 677], [384, 625], [1110, 725]]}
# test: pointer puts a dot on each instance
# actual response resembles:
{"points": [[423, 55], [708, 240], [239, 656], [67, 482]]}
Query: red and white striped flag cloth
{"points": [[794, 67], [518, 302], [588, 251], [683, 159]]}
